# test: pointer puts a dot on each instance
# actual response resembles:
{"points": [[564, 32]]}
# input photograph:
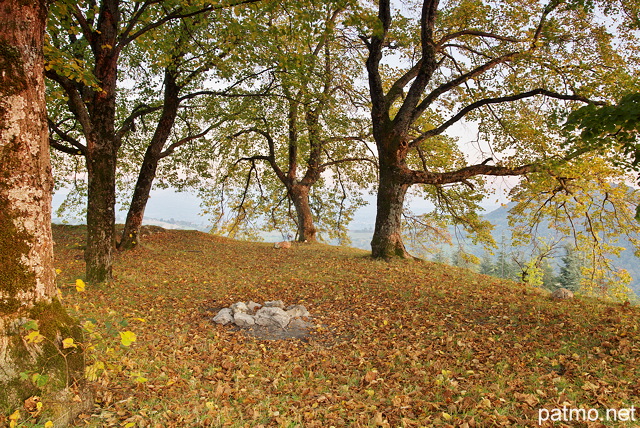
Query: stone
{"points": [[561, 294], [296, 311], [224, 316], [282, 245], [274, 304], [239, 307], [253, 306], [244, 320], [272, 316]]}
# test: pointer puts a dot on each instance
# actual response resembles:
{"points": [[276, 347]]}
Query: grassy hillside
{"points": [[400, 344]]}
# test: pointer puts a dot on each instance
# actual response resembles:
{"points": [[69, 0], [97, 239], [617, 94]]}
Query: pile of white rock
{"points": [[271, 314]]}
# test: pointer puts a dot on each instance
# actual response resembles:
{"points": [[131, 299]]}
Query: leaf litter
{"points": [[399, 344]]}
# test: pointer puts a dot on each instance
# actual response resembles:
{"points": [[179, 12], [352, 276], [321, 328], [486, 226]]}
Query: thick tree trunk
{"points": [[27, 277], [387, 236], [101, 216], [306, 228], [102, 149]]}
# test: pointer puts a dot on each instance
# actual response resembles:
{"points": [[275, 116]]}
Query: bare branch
{"points": [[77, 149], [426, 102], [478, 33], [489, 101], [184, 141]]}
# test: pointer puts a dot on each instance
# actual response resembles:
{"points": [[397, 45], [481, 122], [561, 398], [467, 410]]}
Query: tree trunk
{"points": [[102, 149], [131, 231], [27, 277], [306, 228], [101, 216], [150, 162], [387, 235]]}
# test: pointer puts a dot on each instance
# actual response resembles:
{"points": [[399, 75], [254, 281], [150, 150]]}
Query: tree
{"points": [[88, 41], [306, 126], [511, 66], [570, 270], [28, 296]]}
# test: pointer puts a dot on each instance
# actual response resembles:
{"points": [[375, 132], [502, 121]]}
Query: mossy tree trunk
{"points": [[27, 277]]}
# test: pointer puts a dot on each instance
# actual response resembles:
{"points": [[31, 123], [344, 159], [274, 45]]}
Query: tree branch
{"points": [[478, 33], [184, 141], [489, 101], [76, 104], [137, 112], [426, 102], [77, 149]]}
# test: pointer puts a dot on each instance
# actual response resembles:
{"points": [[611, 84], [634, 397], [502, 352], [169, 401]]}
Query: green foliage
{"points": [[608, 129], [302, 132], [583, 201], [571, 269]]}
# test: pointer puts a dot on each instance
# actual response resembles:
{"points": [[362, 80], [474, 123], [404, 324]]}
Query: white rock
{"points": [[272, 316], [242, 319], [253, 306], [283, 245], [296, 311], [562, 293], [239, 307], [224, 316], [274, 304]]}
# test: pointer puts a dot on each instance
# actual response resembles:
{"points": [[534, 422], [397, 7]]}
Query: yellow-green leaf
{"points": [[68, 343], [127, 337], [34, 337]]}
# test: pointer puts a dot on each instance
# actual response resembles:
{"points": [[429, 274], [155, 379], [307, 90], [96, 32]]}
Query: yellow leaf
{"points": [[68, 343], [80, 285], [127, 337], [58, 271], [14, 419], [446, 416], [34, 337], [48, 424], [130, 425]]}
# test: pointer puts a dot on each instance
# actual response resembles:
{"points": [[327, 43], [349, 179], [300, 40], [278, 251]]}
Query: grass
{"points": [[401, 344]]}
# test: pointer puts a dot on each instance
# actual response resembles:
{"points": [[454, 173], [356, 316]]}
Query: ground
{"points": [[401, 343]]}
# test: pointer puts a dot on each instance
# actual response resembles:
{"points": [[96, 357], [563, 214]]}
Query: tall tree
{"points": [[308, 123], [511, 66], [88, 41], [28, 296]]}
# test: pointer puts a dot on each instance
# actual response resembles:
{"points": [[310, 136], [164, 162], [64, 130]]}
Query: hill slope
{"points": [[400, 344]]}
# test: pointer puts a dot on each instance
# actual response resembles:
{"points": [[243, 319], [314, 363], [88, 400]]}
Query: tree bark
{"points": [[152, 156], [306, 229], [103, 144], [387, 235], [27, 277], [101, 218]]}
